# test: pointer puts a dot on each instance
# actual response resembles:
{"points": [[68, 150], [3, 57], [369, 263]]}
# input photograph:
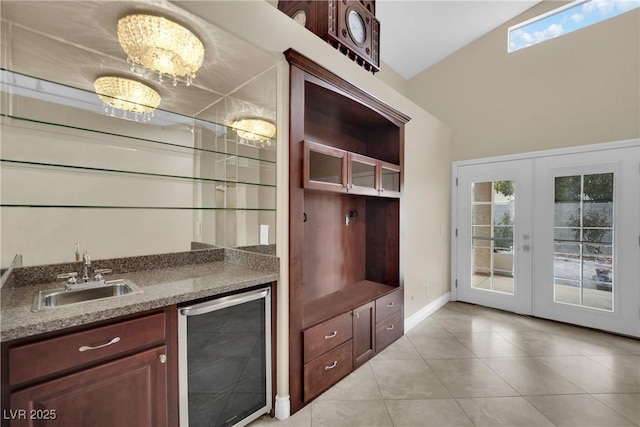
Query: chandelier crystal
{"points": [[255, 129], [162, 46], [127, 95]]}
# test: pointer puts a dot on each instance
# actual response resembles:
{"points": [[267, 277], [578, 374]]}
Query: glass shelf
{"points": [[10, 162], [9, 205], [28, 87], [71, 173], [130, 139]]}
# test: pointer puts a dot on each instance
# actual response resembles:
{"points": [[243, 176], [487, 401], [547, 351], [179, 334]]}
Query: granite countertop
{"points": [[161, 287]]}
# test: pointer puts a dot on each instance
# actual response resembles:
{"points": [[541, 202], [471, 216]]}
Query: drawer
{"points": [[327, 335], [389, 304], [389, 330], [32, 361], [327, 369]]}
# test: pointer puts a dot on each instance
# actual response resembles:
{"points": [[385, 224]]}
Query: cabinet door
{"points": [[324, 167], [127, 392], [389, 179], [364, 337], [362, 175]]}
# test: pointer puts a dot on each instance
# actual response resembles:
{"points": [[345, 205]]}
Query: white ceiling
{"points": [[415, 34]]}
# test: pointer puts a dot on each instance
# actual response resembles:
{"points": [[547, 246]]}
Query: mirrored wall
{"points": [[79, 174]]}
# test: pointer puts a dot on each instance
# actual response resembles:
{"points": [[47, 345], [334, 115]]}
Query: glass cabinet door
{"points": [[389, 180], [324, 167], [362, 175]]}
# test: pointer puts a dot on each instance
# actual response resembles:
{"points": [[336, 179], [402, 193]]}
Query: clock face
{"points": [[300, 17], [356, 26]]}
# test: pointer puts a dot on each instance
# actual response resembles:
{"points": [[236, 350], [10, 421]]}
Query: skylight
{"points": [[563, 20]]}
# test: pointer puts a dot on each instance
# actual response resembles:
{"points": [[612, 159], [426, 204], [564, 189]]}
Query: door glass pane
{"points": [[583, 233], [390, 179], [493, 216], [363, 174], [325, 168]]}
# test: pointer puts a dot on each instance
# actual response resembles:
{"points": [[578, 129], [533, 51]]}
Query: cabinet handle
{"points": [[390, 304], [88, 347], [331, 335], [390, 328], [333, 365], [163, 358]]}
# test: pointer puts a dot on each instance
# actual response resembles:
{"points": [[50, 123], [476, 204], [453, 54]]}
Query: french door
{"points": [[587, 239], [494, 231], [554, 235]]}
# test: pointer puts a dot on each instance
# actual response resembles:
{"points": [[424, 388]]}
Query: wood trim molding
{"points": [[299, 60]]}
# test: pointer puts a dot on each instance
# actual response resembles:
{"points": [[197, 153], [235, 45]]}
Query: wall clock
{"points": [[357, 27], [300, 16], [348, 25], [303, 12]]}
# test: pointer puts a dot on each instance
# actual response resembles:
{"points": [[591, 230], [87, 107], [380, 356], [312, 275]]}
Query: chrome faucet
{"points": [[86, 262], [86, 281]]}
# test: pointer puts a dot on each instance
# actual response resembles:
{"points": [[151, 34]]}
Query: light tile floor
{"points": [[473, 366]]}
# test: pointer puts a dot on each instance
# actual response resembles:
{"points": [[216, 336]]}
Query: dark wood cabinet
{"points": [[324, 168], [389, 324], [328, 168], [128, 391], [114, 373], [364, 333], [345, 191], [326, 370]]}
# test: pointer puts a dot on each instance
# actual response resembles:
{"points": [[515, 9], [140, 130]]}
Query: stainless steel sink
{"points": [[91, 292]]}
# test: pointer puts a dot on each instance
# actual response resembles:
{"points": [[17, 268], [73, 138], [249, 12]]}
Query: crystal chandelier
{"points": [[127, 95], [160, 45], [257, 130]]}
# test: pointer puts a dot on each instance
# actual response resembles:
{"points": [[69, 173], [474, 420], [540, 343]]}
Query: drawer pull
{"points": [[390, 328], [390, 304], [88, 347], [331, 335], [333, 365]]}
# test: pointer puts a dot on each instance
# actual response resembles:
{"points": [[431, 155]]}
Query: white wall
{"points": [[49, 235], [580, 88]]}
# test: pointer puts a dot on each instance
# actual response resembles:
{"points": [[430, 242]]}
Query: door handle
{"points": [[525, 248], [333, 365], [96, 347], [331, 335]]}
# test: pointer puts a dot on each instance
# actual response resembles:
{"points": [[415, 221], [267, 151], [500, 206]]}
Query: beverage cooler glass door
{"points": [[225, 360]]}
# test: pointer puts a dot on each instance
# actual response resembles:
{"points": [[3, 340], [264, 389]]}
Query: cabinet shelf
{"points": [[343, 300]]}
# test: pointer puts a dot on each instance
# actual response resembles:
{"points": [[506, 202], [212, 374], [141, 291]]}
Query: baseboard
{"points": [[283, 407], [425, 312]]}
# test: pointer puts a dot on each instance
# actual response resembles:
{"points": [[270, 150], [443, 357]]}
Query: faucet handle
{"points": [[71, 277], [100, 272]]}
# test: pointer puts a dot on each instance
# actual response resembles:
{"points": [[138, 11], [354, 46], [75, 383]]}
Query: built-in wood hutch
{"points": [[345, 188]]}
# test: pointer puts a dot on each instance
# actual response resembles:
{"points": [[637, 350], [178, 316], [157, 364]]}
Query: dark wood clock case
{"points": [[328, 19]]}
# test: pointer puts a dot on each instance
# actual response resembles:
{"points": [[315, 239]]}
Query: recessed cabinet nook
{"points": [[345, 188]]}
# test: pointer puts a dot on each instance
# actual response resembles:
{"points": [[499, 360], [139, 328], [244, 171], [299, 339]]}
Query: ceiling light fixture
{"points": [[160, 45], [255, 129], [127, 95]]}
